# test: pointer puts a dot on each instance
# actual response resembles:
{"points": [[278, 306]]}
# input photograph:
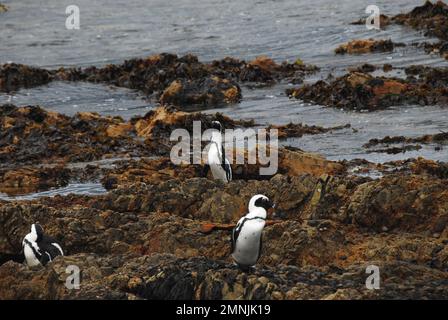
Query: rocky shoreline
{"points": [[157, 234], [360, 91], [162, 231]]}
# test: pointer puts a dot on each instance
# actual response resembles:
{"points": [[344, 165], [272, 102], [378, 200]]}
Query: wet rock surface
{"points": [[362, 91], [297, 130], [168, 277], [418, 166], [31, 135], [395, 150], [182, 81], [439, 140], [367, 46], [429, 18], [440, 47], [40, 150], [384, 21], [144, 240], [432, 18], [201, 93], [162, 231], [28, 179], [15, 76]]}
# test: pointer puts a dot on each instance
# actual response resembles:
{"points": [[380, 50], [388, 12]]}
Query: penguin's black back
{"points": [[48, 250]]}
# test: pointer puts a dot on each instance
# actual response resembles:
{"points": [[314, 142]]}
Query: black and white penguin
{"points": [[39, 248], [247, 235], [217, 161]]}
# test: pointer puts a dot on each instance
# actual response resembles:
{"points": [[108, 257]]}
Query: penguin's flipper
{"points": [[45, 258], [236, 232], [228, 170]]}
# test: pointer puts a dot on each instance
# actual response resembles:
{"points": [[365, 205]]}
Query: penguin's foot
{"points": [[251, 269], [246, 269]]}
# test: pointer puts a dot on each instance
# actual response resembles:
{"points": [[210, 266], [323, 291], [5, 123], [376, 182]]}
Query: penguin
{"points": [[38, 248], [247, 235], [217, 161]]}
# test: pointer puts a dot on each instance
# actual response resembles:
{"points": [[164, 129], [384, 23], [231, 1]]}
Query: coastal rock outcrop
{"points": [[167, 78], [362, 91], [141, 238], [163, 230], [15, 76], [367, 46]]}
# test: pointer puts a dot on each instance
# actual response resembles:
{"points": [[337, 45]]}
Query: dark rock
{"points": [[361, 91], [201, 93], [431, 17], [367, 46], [15, 76]]}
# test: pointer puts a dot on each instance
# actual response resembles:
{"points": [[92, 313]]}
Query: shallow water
{"points": [[73, 97], [34, 33], [72, 188], [411, 121]]}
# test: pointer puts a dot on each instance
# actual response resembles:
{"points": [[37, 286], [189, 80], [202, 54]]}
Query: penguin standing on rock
{"points": [[39, 248], [247, 235], [217, 161]]}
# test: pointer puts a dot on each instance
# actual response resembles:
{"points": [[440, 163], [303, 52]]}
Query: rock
{"points": [[201, 93], [384, 21], [119, 130], [387, 67], [423, 166], [395, 150], [168, 277], [297, 130], [121, 240], [265, 70], [441, 137], [29, 180], [365, 68], [183, 81], [31, 134], [367, 46], [358, 78], [62, 144], [409, 210], [361, 91], [431, 18], [297, 162], [15, 76], [163, 231]]}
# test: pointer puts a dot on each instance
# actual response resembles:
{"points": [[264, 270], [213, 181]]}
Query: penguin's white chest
{"points": [[214, 162], [31, 259], [247, 245]]}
